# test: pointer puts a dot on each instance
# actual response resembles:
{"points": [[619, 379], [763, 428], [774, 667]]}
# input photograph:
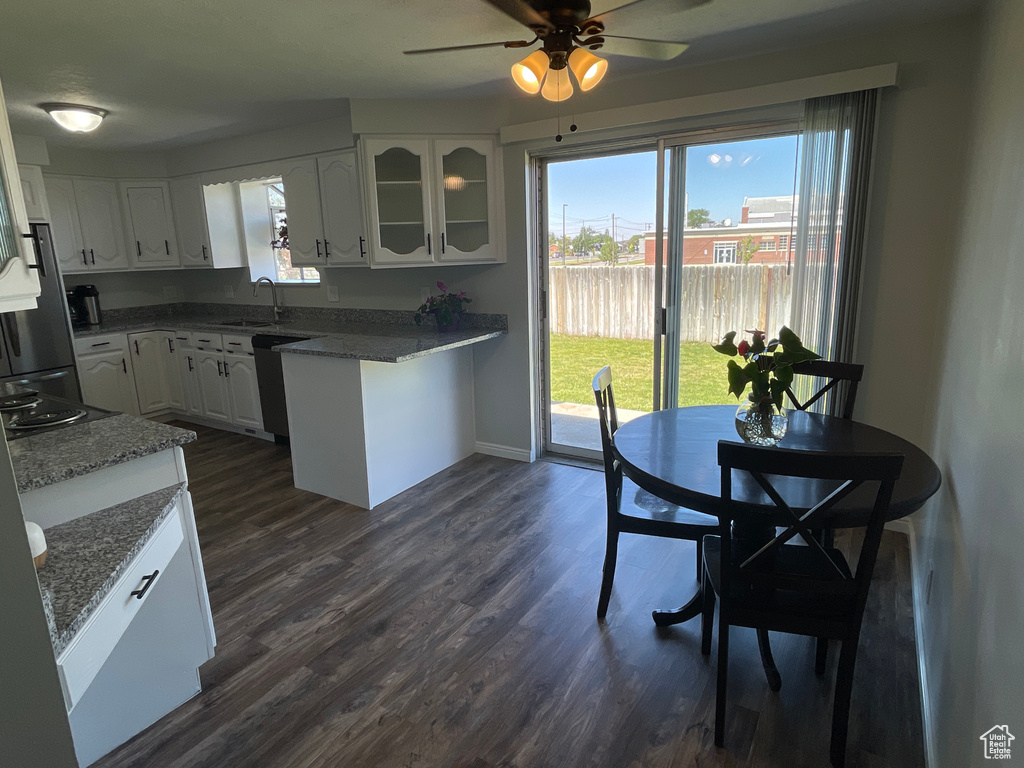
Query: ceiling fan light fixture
{"points": [[529, 73], [588, 68], [557, 85], [75, 117]]}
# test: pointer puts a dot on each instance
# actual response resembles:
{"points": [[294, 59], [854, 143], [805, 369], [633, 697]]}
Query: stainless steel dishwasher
{"points": [[271, 382]]}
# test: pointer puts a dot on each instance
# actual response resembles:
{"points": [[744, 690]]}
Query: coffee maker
{"points": [[84, 306]]}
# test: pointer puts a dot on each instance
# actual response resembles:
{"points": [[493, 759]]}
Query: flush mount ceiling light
{"points": [[75, 117], [568, 34]]}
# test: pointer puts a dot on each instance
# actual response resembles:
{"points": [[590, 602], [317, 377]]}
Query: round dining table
{"points": [[673, 454]]}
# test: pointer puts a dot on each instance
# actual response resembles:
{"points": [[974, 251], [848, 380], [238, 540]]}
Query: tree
{"points": [[695, 217], [633, 246], [748, 248], [607, 248], [586, 241]]}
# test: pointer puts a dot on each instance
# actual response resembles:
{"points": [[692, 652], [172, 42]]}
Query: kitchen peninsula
{"points": [[123, 585]]}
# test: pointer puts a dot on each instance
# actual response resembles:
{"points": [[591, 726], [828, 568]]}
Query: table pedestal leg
{"points": [[681, 614]]}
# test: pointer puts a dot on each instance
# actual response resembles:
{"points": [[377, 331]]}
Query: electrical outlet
{"points": [[332, 293], [424, 295], [170, 292], [229, 291]]}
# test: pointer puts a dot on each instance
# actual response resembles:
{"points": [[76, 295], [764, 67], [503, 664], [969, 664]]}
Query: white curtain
{"points": [[831, 218]]}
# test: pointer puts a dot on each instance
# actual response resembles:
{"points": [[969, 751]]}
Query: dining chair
{"points": [[842, 378], [806, 590], [641, 512]]}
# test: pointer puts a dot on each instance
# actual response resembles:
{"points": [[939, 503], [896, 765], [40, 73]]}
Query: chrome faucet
{"points": [[273, 293]]}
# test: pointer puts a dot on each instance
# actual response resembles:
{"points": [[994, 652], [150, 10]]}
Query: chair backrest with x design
{"points": [[839, 376], [769, 467], [609, 421]]}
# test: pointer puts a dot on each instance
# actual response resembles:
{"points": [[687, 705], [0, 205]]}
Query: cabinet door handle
{"points": [[138, 247], [327, 249], [124, 365], [136, 346], [92, 256], [318, 254], [141, 591], [442, 242], [170, 345], [190, 368], [362, 251], [205, 257], [85, 259], [220, 368], [429, 251], [101, 344], [227, 371], [167, 247]]}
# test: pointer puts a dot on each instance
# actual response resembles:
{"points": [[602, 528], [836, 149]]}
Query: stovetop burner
{"points": [[40, 419], [19, 402]]}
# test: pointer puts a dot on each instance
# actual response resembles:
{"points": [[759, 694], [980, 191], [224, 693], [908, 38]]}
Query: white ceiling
{"points": [[185, 71]]}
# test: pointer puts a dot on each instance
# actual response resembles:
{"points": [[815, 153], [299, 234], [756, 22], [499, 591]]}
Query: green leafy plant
{"points": [[768, 366], [445, 308]]}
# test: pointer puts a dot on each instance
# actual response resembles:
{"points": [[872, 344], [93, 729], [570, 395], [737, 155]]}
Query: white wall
{"points": [[973, 533]]}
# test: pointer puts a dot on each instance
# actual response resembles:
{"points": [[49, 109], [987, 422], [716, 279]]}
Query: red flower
{"points": [[442, 286], [743, 347], [756, 333]]}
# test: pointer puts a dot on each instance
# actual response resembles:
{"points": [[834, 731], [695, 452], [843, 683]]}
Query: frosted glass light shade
{"points": [[75, 118], [588, 68], [529, 73], [557, 85]]}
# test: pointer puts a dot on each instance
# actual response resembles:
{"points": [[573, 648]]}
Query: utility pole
{"points": [[615, 243], [562, 249]]}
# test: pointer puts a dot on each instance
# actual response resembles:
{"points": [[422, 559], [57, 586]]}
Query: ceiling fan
{"points": [[568, 33]]}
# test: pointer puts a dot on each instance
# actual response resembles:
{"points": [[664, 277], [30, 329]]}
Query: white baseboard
{"points": [[917, 590], [505, 452]]}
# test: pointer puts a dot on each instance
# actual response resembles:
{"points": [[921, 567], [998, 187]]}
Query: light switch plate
{"points": [[332, 293], [229, 291]]}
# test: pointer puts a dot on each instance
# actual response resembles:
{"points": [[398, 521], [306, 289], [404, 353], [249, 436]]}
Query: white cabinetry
{"points": [[33, 193], [213, 386], [206, 221], [305, 238], [172, 372], [105, 372], [19, 283], [150, 224], [87, 226], [433, 201], [240, 371], [189, 375], [148, 366]]}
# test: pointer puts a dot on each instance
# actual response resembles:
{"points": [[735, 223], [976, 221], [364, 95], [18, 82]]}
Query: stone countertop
{"points": [[78, 449], [86, 557], [392, 347]]}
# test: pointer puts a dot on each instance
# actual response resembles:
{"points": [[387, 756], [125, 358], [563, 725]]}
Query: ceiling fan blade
{"points": [[684, 5], [473, 46], [522, 12], [638, 46]]}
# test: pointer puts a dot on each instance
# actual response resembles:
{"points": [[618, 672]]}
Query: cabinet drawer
{"points": [[107, 342], [183, 339], [237, 343], [82, 659], [211, 342]]}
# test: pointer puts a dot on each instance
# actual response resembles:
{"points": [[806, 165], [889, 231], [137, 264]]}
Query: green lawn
{"points": [[575, 360]]}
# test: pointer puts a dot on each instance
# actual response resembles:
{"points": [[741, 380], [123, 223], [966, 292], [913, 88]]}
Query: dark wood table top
{"points": [[674, 454]]}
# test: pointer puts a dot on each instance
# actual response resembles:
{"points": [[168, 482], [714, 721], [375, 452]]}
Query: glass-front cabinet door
{"points": [[467, 210], [398, 179], [19, 285]]}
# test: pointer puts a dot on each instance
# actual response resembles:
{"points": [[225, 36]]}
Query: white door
{"points": [[190, 222], [148, 364], [67, 231], [213, 386], [245, 392], [172, 372], [466, 201], [100, 218], [189, 375], [107, 381], [398, 183], [152, 225], [341, 208], [305, 233]]}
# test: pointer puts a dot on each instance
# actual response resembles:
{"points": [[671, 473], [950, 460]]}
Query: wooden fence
{"points": [[618, 302]]}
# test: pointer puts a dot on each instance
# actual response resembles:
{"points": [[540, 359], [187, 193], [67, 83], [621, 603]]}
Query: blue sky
{"points": [[719, 176]]}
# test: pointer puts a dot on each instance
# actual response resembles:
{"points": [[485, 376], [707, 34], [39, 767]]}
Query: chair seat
{"points": [[815, 614], [657, 517]]}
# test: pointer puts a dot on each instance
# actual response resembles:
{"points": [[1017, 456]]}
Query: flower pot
{"points": [[761, 422], [453, 326]]}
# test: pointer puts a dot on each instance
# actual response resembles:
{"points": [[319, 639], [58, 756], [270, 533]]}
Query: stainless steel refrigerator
{"points": [[35, 344]]}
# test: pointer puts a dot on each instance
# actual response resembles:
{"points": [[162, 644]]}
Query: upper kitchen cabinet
{"points": [[19, 283], [206, 222], [305, 231], [433, 201], [341, 208], [86, 220], [33, 193], [150, 224]]}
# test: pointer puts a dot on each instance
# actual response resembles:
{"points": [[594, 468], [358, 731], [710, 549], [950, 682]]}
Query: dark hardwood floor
{"points": [[455, 626]]}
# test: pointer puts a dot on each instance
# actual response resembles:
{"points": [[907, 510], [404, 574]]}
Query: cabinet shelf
{"points": [[401, 223], [407, 182], [467, 221]]}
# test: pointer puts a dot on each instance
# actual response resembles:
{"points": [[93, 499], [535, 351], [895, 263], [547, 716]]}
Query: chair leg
{"points": [[707, 617], [820, 655], [723, 671], [610, 553], [767, 660], [700, 558], [841, 702]]}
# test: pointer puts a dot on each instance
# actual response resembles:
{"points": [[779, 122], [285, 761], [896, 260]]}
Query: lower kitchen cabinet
{"points": [[213, 385], [172, 372], [105, 373], [240, 372], [149, 368], [189, 375]]}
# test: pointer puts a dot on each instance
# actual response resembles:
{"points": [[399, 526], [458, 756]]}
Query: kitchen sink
{"points": [[245, 323]]}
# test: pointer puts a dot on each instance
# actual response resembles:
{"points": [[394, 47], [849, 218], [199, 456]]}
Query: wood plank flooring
{"points": [[455, 626]]}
